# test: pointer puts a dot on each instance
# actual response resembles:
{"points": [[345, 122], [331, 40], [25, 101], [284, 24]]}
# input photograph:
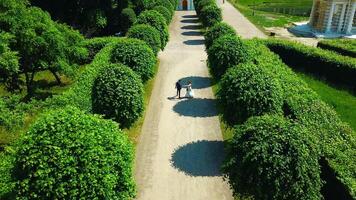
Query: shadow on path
{"points": [[192, 27], [190, 16], [196, 107], [192, 33], [198, 82], [195, 42], [201, 158], [192, 21]]}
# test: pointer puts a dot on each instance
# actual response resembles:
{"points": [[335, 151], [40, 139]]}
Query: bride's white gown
{"points": [[190, 92]]}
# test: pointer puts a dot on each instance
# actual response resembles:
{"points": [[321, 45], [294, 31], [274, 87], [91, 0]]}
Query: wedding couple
{"points": [[189, 92]]}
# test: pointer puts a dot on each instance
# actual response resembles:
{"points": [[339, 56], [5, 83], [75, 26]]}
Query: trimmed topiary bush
{"points": [[128, 17], [210, 15], [165, 13], [271, 158], [135, 54], [67, 154], [216, 31], [249, 90], [147, 34], [203, 3], [118, 95], [157, 21], [165, 3], [226, 51]]}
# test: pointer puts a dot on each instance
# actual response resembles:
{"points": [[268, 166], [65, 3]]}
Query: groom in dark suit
{"points": [[178, 87]]}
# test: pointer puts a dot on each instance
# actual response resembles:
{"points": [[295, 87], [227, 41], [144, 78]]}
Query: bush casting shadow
{"points": [[194, 42], [192, 27], [193, 21], [201, 158], [196, 107], [190, 16], [192, 33], [198, 82]]}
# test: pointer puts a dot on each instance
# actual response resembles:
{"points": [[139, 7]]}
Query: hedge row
{"points": [[208, 11], [346, 47], [261, 85], [335, 68]]}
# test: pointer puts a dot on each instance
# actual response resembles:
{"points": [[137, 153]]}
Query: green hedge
{"points": [[127, 19], [94, 45], [216, 31], [335, 68], [157, 21], [135, 54], [226, 51], [346, 47], [203, 3], [273, 158], [210, 15], [67, 154], [165, 13], [147, 34], [118, 94], [248, 90], [165, 3]]}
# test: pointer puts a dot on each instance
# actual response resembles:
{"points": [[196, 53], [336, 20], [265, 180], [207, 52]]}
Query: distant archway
{"points": [[185, 4]]}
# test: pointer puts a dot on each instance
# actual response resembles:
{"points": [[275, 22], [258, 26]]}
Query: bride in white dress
{"points": [[190, 92]]}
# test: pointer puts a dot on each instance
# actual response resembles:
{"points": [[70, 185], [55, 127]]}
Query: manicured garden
{"points": [[69, 144], [283, 136], [346, 47]]}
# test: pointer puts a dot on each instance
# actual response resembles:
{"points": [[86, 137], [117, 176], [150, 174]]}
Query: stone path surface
{"points": [[180, 149], [242, 25]]}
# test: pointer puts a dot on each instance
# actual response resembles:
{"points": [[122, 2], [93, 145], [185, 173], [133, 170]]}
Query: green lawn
{"points": [[342, 101], [278, 13]]}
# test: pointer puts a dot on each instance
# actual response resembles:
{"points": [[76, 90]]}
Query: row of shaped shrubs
{"points": [[346, 47], [70, 152], [340, 70], [208, 11], [284, 129]]}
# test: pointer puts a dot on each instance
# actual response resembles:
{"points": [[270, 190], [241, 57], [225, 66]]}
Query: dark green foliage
{"points": [[7, 184], [216, 31], [67, 154], [226, 51], [94, 45], [9, 61], [137, 55], [128, 18], [203, 3], [165, 13], [165, 3], [272, 158], [210, 15], [335, 68], [118, 94], [346, 47], [11, 116], [147, 34], [157, 21], [249, 90]]}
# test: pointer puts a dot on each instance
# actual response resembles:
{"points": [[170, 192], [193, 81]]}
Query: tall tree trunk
{"points": [[29, 82], [58, 79]]}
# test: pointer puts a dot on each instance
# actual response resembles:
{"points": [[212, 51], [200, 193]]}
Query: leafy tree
{"points": [[67, 154], [9, 62]]}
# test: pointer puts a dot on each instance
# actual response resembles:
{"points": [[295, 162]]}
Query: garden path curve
{"points": [[180, 149]]}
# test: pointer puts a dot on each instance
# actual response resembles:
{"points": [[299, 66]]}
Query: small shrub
{"points": [[128, 18], [147, 34], [249, 90], [271, 158], [226, 51], [216, 31], [135, 54], [203, 3], [67, 154], [210, 15], [157, 21], [118, 95], [165, 13], [94, 45], [165, 3]]}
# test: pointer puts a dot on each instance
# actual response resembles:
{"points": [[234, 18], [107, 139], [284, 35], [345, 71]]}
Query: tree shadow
{"points": [[192, 33], [192, 21], [190, 16], [196, 107], [195, 42], [192, 27], [200, 158], [198, 82]]}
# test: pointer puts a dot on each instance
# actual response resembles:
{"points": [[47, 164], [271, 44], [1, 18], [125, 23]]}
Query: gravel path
{"points": [[180, 149], [242, 25]]}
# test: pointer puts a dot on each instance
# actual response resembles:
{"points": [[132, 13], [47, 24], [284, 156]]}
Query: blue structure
{"points": [[185, 5]]}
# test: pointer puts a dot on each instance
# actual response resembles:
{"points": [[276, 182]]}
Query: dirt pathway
{"points": [[242, 25], [180, 148]]}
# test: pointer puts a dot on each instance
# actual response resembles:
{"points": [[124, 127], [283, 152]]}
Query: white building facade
{"points": [[185, 5], [333, 16]]}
